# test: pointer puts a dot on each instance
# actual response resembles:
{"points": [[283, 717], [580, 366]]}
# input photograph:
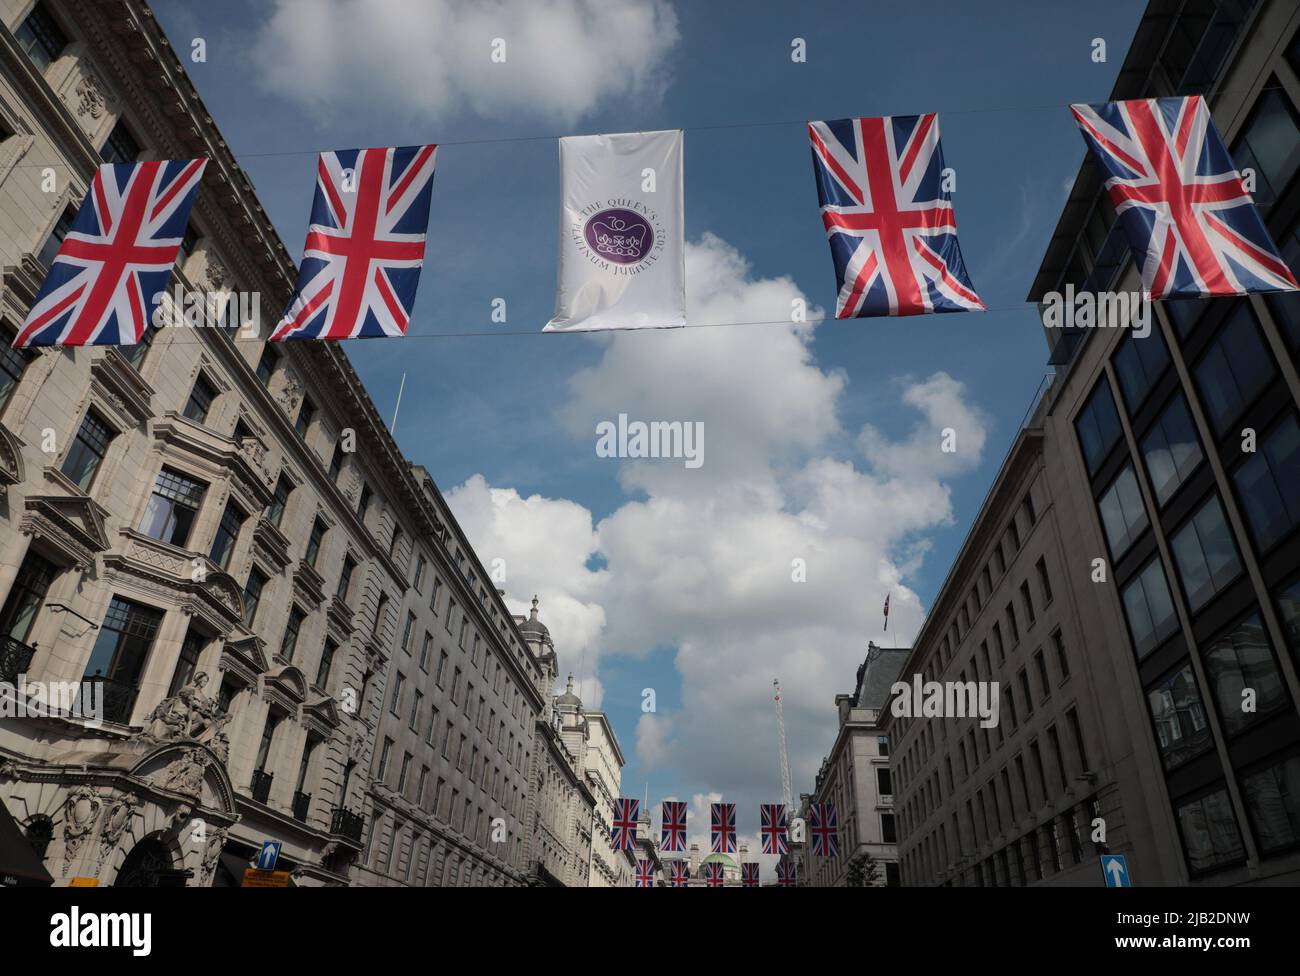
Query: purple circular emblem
{"points": [[622, 236]]}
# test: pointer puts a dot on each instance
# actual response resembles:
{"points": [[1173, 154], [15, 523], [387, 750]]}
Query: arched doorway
{"points": [[149, 865]]}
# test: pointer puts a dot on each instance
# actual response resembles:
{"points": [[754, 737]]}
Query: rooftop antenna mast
{"points": [[785, 759]]}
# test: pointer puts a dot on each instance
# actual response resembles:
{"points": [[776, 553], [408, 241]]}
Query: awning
{"points": [[19, 865]]}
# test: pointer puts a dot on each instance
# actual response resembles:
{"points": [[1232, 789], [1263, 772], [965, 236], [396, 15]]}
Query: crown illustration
{"points": [[615, 236]]}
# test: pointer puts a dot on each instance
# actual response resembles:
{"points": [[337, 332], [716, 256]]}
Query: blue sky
{"points": [[514, 410]]}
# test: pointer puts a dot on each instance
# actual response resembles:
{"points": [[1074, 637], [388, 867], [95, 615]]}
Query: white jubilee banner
{"points": [[622, 244]]}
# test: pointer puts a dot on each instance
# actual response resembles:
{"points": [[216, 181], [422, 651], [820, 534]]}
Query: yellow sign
{"points": [[254, 878], [84, 883]]}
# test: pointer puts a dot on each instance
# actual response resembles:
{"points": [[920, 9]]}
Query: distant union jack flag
{"points": [[673, 832], [749, 874], [645, 873], [775, 828], [723, 832], [622, 832], [365, 245], [786, 874], [713, 875], [1189, 219], [824, 826], [117, 256], [889, 218], [678, 873]]}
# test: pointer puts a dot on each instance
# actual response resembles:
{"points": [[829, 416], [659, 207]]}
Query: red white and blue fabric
{"points": [[723, 830], [672, 835], [117, 258], [889, 217], [678, 873], [622, 831], [713, 875], [749, 874], [824, 826], [774, 826], [1189, 218], [365, 245], [645, 873], [786, 874]]}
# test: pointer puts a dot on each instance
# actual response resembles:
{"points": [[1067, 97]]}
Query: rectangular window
{"points": [[1062, 659], [1012, 626], [395, 704], [1097, 426], [1178, 715], [425, 648], [326, 663], [1238, 659], [1171, 450], [1209, 831], [884, 784], [1024, 691], [1268, 484], [41, 39], [345, 579], [52, 243], [1269, 145], [420, 564], [88, 450], [1272, 800], [385, 754], [1149, 609], [314, 543], [200, 401], [173, 507], [306, 414], [26, 596], [266, 365], [1044, 581], [13, 363], [279, 500], [433, 597], [253, 595], [1234, 369], [1122, 514], [1041, 663], [118, 657], [1080, 747], [223, 543], [1139, 363], [414, 719], [188, 661], [1027, 601], [407, 631], [289, 643], [120, 146], [1204, 553]]}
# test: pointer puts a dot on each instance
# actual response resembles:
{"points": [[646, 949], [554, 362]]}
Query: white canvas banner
{"points": [[622, 246]]}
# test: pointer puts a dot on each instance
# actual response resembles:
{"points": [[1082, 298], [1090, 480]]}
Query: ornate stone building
{"points": [[221, 540]]}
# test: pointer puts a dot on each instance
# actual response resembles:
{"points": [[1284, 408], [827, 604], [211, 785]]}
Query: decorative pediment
{"points": [[246, 658], [71, 524], [339, 619], [271, 545], [21, 283], [321, 716], [120, 390], [11, 458], [285, 685], [218, 456], [215, 596], [191, 770]]}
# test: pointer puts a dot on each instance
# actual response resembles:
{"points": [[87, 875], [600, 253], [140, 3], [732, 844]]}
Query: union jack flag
{"points": [[1189, 219], [775, 828], [622, 833], [365, 245], [723, 833], [786, 874], [889, 217], [678, 873], [117, 258], [673, 833], [645, 873], [825, 830], [749, 874], [713, 875]]}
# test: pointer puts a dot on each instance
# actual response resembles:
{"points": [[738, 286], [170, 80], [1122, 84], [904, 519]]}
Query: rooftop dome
{"points": [[534, 626], [569, 698]]}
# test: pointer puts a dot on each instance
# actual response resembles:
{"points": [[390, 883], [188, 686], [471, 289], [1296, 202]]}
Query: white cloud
{"points": [[432, 59], [701, 559]]}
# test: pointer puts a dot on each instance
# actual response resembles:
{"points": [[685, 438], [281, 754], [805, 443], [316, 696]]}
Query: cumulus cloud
{"points": [[772, 560], [433, 59]]}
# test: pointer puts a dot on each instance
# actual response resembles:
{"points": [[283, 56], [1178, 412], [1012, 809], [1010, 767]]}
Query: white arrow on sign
{"points": [[1115, 871]]}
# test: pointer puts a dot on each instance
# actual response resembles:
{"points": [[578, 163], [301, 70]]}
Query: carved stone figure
{"points": [[80, 813], [188, 714], [212, 854], [116, 823], [90, 100], [185, 774]]}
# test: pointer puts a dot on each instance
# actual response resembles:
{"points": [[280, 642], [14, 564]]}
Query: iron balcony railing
{"points": [[261, 785], [15, 659], [301, 804], [347, 824]]}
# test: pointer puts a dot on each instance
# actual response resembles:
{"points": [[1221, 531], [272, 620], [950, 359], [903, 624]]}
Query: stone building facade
{"points": [[1142, 535], [221, 540], [855, 778]]}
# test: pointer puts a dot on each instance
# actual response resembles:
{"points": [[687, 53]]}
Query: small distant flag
{"points": [[622, 832], [723, 833], [887, 611], [713, 876], [645, 873], [116, 258], [749, 874], [775, 828], [365, 245], [786, 874], [678, 873], [672, 836], [824, 827]]}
